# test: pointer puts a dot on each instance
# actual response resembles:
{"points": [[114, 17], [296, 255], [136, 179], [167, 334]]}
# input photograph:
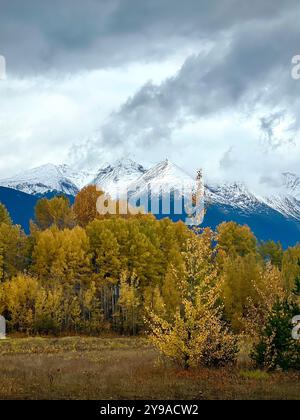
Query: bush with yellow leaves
{"points": [[196, 335]]}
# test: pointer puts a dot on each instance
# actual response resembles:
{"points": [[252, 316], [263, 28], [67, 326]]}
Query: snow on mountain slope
{"points": [[165, 177], [48, 178], [79, 178], [125, 174], [283, 199], [286, 198], [286, 205], [115, 178], [234, 195]]}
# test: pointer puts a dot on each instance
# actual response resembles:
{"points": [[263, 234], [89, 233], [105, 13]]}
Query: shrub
{"points": [[276, 347]]}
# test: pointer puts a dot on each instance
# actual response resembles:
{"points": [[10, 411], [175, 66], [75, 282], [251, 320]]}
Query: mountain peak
{"points": [[126, 161], [164, 176], [116, 177]]}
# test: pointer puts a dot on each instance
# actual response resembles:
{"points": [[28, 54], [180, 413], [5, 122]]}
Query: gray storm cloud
{"points": [[248, 68], [71, 35], [237, 60]]}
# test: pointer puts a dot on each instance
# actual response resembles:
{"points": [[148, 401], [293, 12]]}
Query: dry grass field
{"points": [[124, 368]]}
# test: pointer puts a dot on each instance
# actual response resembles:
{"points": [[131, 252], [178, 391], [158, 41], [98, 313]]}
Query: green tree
{"points": [[91, 310], [276, 346]]}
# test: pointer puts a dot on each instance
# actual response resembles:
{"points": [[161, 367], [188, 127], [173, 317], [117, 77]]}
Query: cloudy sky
{"points": [[205, 82]]}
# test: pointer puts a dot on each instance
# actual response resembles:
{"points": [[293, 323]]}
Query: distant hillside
{"points": [[21, 206], [266, 224]]}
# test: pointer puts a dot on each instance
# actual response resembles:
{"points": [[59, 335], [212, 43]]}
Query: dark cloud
{"points": [[248, 68], [73, 35], [241, 62]]}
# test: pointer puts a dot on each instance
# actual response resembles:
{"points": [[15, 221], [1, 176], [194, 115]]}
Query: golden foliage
{"points": [[85, 206], [196, 335], [55, 212]]}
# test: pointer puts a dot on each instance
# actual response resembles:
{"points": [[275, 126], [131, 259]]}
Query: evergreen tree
{"points": [[276, 347]]}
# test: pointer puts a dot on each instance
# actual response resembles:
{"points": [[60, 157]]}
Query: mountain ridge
{"points": [[48, 178], [126, 174], [224, 202]]}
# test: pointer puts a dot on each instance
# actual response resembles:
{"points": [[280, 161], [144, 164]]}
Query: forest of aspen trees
{"points": [[194, 292]]}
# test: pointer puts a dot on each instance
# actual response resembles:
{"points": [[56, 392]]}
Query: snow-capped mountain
{"points": [[48, 178], [275, 215], [115, 178], [235, 195], [167, 176], [163, 177], [239, 197], [127, 174], [286, 198], [230, 202], [79, 178]]}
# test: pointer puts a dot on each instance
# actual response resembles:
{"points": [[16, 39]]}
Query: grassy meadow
{"points": [[125, 368]]}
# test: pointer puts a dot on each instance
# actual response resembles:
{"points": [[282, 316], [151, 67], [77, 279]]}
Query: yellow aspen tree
{"points": [[13, 250], [270, 289], [85, 206], [55, 212], [19, 295], [92, 313], [196, 335], [4, 215], [128, 303]]}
